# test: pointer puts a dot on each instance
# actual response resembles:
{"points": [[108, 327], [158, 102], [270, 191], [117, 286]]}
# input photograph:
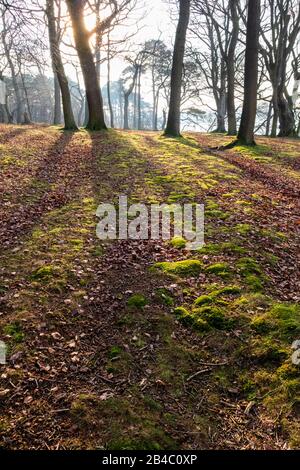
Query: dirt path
{"points": [[97, 357]]}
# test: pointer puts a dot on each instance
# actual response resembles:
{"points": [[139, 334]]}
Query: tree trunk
{"points": [[275, 113], [57, 119], [164, 119], [58, 68], [111, 111], [221, 112], [286, 117], [268, 121], [27, 116], [98, 43], [156, 103], [135, 107], [82, 42], [246, 131], [173, 124], [139, 98], [15, 84], [230, 62], [126, 105]]}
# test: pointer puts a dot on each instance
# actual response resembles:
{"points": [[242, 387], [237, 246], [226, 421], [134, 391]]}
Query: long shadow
{"points": [[111, 150], [11, 133], [36, 198], [106, 146]]}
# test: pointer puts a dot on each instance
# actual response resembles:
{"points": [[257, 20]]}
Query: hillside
{"points": [[108, 348]]}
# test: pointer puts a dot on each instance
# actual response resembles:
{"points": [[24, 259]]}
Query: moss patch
{"points": [[219, 269], [186, 268], [137, 301], [178, 242]]}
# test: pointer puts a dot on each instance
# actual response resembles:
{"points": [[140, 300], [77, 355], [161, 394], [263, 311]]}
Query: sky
{"points": [[151, 20]]}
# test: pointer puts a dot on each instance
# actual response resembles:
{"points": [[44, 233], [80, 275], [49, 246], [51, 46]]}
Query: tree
{"points": [[7, 37], [246, 131], [230, 64], [128, 81], [58, 68], [279, 34], [158, 63], [82, 37], [173, 123]]}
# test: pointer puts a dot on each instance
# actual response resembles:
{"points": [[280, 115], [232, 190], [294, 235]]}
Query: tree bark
{"points": [[126, 105], [286, 116], [246, 131], [230, 63], [96, 119], [220, 99], [58, 68], [268, 121], [17, 91], [139, 98], [173, 123], [111, 111], [127, 94], [57, 118]]}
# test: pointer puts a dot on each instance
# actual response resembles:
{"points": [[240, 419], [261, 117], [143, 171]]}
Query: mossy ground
{"points": [[105, 350]]}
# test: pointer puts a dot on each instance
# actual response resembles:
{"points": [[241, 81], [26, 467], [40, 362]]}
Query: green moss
{"points": [[281, 321], [201, 325], [243, 203], [219, 269], [178, 242], [184, 316], [191, 319], [114, 352], [205, 300], [211, 205], [252, 301], [268, 350], [165, 297], [250, 269], [151, 438], [286, 318], [260, 325], [271, 259], [137, 301], [4, 426], [98, 251], [185, 268], [175, 197], [43, 273], [56, 231], [214, 317], [152, 404], [14, 330], [288, 371], [248, 266], [77, 243], [217, 214], [254, 283], [122, 424], [228, 291], [243, 229]]}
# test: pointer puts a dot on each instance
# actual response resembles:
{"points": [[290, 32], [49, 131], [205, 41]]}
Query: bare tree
{"points": [[279, 33], [58, 68], [82, 42], [128, 81], [173, 123], [246, 131]]}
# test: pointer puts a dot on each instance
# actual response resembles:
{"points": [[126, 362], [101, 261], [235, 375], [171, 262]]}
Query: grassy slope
{"points": [[103, 349]]}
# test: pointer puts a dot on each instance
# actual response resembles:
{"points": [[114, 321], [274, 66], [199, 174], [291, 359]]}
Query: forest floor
{"points": [[107, 349]]}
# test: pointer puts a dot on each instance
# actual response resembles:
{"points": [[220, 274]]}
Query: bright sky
{"points": [[151, 20]]}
